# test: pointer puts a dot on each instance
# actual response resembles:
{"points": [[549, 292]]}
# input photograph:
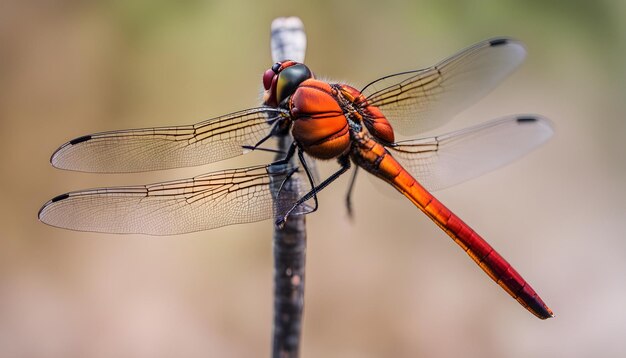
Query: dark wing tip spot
{"points": [[498, 42], [526, 119], [80, 139], [54, 200], [59, 198]]}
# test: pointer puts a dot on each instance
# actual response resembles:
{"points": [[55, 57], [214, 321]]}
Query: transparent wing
{"points": [[446, 160], [175, 207], [417, 101], [137, 150]]}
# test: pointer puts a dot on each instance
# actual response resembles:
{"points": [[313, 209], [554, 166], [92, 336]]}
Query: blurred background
{"points": [[389, 283]]}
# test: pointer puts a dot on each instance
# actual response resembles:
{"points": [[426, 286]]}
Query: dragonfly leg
{"points": [[309, 176], [288, 156], [270, 134], [344, 161], [284, 162], [287, 177], [281, 222], [349, 195], [254, 147]]}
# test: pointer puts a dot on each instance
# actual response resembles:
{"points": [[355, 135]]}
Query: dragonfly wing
{"points": [[175, 207], [137, 150], [446, 160], [417, 101]]}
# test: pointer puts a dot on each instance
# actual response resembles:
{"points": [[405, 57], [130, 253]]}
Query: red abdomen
{"points": [[319, 124], [374, 158]]}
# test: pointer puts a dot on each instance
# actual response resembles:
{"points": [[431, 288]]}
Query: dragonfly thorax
{"points": [[359, 110], [320, 126], [324, 116]]}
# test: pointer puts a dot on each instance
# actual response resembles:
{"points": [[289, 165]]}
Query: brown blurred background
{"points": [[389, 284]]}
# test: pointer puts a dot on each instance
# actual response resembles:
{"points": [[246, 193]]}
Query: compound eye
{"points": [[276, 67], [290, 78], [268, 76]]}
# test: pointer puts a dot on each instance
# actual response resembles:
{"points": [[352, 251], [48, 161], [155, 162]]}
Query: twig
{"points": [[289, 242]]}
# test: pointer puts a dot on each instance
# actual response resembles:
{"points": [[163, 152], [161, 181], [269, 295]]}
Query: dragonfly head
{"points": [[281, 81]]}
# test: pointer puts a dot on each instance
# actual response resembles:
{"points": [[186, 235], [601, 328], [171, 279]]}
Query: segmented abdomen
{"points": [[374, 157]]}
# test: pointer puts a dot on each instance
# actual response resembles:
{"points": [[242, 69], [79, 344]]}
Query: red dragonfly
{"points": [[326, 121]]}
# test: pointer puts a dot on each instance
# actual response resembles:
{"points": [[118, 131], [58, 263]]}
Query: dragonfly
{"points": [[325, 121]]}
